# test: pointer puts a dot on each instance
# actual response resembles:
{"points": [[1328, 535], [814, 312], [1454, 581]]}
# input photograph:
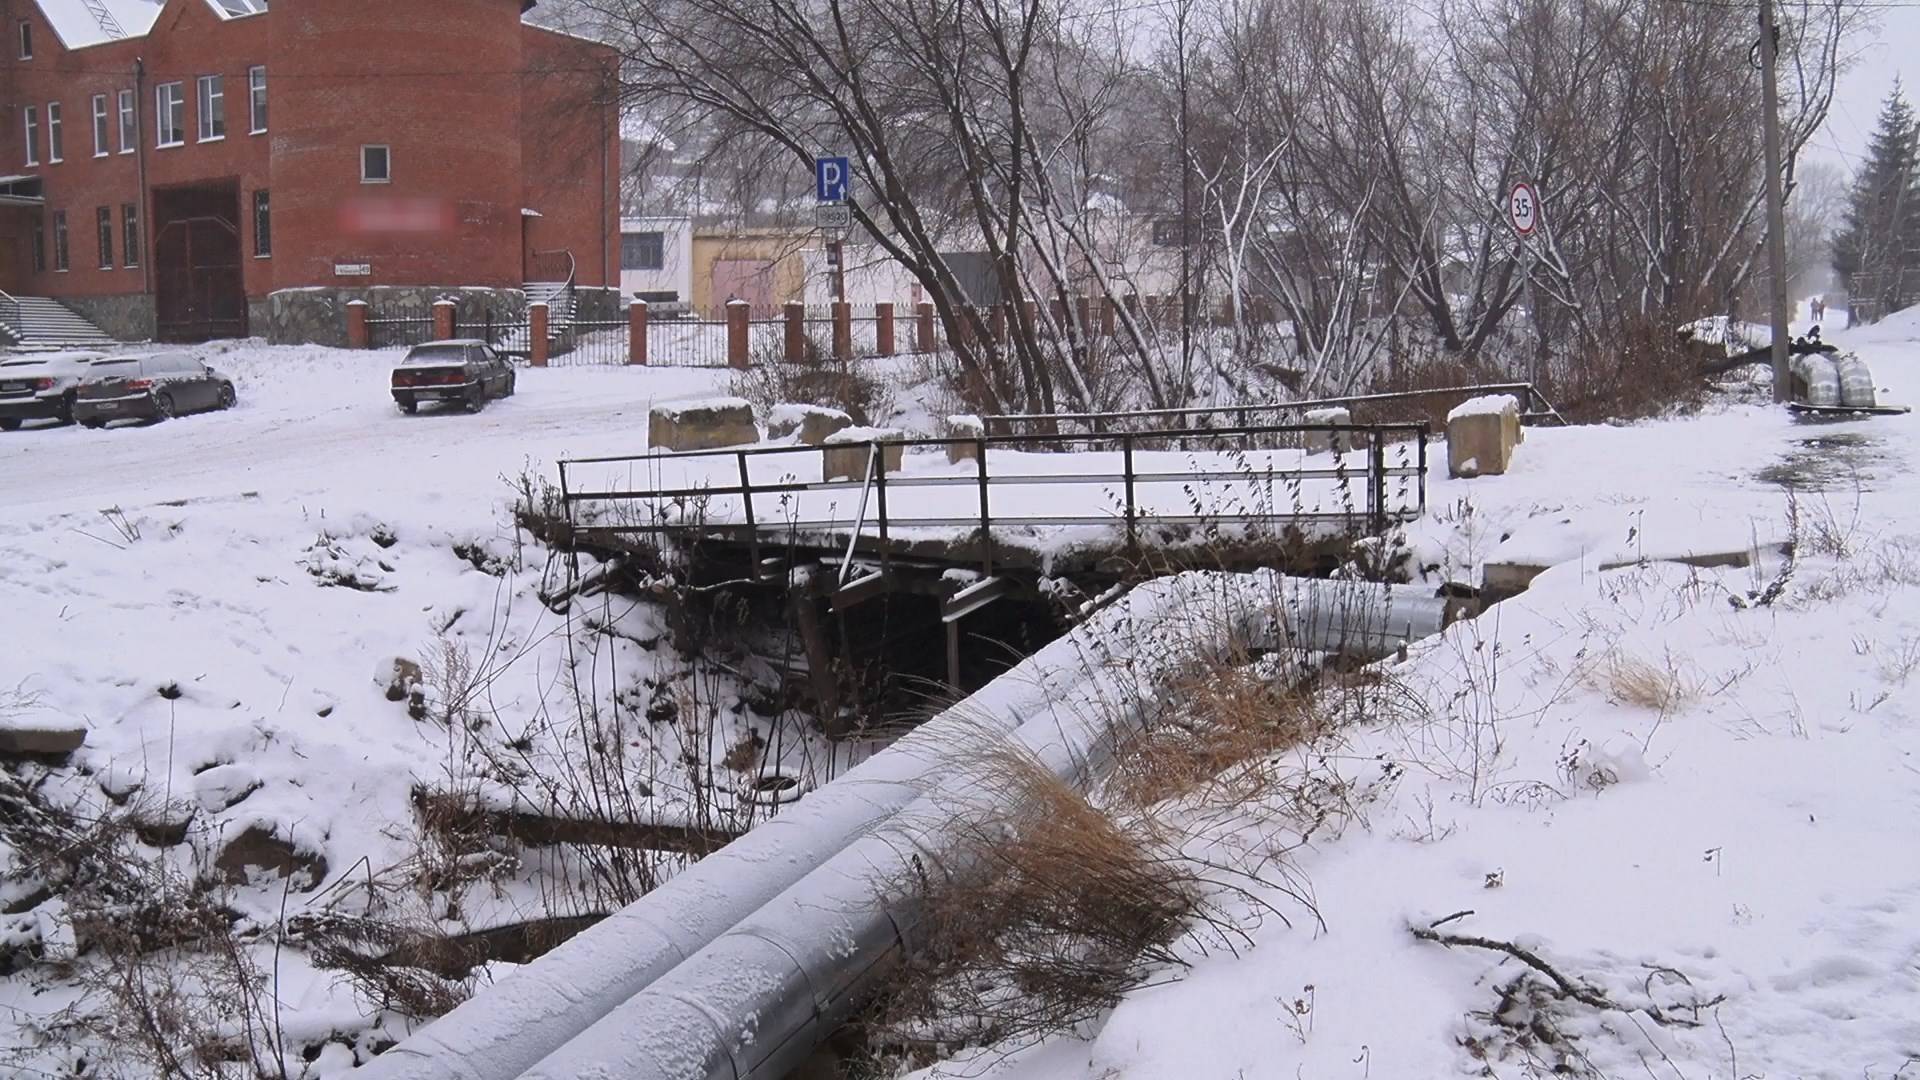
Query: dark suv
{"points": [[465, 373], [150, 386]]}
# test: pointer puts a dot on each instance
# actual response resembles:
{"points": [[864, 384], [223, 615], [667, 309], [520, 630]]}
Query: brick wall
{"points": [[484, 116]]}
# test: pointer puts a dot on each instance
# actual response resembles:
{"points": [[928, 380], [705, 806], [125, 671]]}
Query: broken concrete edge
{"points": [[31, 739]]}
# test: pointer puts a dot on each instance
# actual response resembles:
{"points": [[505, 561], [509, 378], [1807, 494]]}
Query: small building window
{"points": [[257, 99], [213, 107], [60, 241], [26, 40], [262, 226], [129, 123], [643, 251], [130, 230], [39, 245], [104, 229], [30, 116], [100, 135], [169, 115], [376, 165], [56, 142]]}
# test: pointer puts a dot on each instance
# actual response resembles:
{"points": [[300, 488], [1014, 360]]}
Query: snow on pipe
{"points": [[755, 1002], [504, 1030]]}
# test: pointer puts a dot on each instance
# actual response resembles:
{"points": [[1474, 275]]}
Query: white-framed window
{"points": [[262, 225], [376, 165], [60, 264], [130, 234], [169, 115], [56, 142], [213, 107], [256, 100], [26, 40], [30, 118], [100, 136], [129, 123]]}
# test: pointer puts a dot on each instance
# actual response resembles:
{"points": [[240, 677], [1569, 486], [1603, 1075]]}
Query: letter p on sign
{"points": [[830, 178]]}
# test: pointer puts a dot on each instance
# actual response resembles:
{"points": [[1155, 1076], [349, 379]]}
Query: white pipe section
{"points": [[757, 1000]]}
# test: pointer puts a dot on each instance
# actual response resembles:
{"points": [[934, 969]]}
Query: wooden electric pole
{"points": [[1776, 200]]}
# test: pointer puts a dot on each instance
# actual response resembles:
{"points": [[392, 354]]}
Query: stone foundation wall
{"points": [[124, 318], [591, 303], [319, 315]]}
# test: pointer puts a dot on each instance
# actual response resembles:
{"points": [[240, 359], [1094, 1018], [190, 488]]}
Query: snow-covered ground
{"points": [[1696, 805], [187, 591]]}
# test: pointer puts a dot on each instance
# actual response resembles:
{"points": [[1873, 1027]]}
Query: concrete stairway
{"points": [[558, 296], [38, 322]]}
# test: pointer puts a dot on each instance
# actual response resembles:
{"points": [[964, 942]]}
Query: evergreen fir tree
{"points": [[1880, 237]]}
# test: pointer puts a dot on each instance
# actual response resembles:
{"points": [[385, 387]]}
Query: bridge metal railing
{"points": [[691, 492], [1534, 406]]}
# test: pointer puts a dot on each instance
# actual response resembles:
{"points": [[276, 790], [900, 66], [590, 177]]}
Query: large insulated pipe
{"points": [[755, 1002], [504, 1030]]}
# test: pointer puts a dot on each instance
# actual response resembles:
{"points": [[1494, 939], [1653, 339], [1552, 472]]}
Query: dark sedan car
{"points": [[151, 386], [465, 373], [42, 387]]}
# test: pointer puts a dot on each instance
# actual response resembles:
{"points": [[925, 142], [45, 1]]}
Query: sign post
{"points": [[1523, 213], [832, 177]]}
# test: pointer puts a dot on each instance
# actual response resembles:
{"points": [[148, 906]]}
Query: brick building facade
{"points": [[186, 169]]}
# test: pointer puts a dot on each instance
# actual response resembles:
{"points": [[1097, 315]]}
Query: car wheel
{"points": [[93, 425], [9, 423], [227, 399], [409, 407], [477, 399], [163, 406], [65, 414], [510, 386]]}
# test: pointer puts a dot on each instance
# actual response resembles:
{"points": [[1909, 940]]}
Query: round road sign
{"points": [[1523, 209]]}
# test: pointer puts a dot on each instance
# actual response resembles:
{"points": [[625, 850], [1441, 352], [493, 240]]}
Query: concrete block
{"points": [[1319, 442], [964, 427], [1481, 435], [845, 453], [813, 423], [50, 737], [705, 424]]}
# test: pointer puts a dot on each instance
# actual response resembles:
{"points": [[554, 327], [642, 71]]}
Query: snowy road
{"points": [[320, 420]]}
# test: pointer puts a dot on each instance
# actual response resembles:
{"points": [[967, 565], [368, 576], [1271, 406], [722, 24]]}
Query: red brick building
{"points": [[187, 169]]}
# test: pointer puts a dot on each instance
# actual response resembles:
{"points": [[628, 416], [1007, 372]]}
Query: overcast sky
{"points": [[1887, 53]]}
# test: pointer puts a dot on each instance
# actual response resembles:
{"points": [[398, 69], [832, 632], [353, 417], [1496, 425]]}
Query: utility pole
{"points": [[1776, 199]]}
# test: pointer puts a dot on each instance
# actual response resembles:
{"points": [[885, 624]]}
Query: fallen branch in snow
{"points": [[1564, 986]]}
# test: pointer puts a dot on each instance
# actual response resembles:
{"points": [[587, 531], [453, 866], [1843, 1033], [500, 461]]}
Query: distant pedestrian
{"points": [[1818, 308]]}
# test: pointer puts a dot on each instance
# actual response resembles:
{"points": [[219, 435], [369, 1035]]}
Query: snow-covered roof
{"points": [[81, 23]]}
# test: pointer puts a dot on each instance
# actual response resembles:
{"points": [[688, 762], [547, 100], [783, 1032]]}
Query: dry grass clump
{"points": [[1662, 687], [1043, 910], [1228, 720]]}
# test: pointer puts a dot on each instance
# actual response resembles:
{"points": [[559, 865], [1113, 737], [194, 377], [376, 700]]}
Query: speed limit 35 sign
{"points": [[1523, 209]]}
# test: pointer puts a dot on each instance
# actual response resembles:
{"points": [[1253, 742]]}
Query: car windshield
{"points": [[435, 355]]}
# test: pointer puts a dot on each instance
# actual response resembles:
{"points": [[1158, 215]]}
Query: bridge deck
{"points": [[1026, 499]]}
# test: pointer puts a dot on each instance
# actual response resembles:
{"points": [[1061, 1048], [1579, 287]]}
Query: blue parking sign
{"points": [[831, 177]]}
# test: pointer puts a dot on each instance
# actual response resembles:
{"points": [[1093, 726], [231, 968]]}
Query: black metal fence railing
{"points": [[393, 325], [1534, 408], [1368, 477]]}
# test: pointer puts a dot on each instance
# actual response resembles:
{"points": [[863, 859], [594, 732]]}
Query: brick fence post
{"points": [[537, 334], [883, 328], [738, 331], [357, 336], [443, 320], [637, 332], [923, 325], [1030, 314], [1106, 316], [796, 348], [997, 323], [842, 330], [1083, 311]]}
